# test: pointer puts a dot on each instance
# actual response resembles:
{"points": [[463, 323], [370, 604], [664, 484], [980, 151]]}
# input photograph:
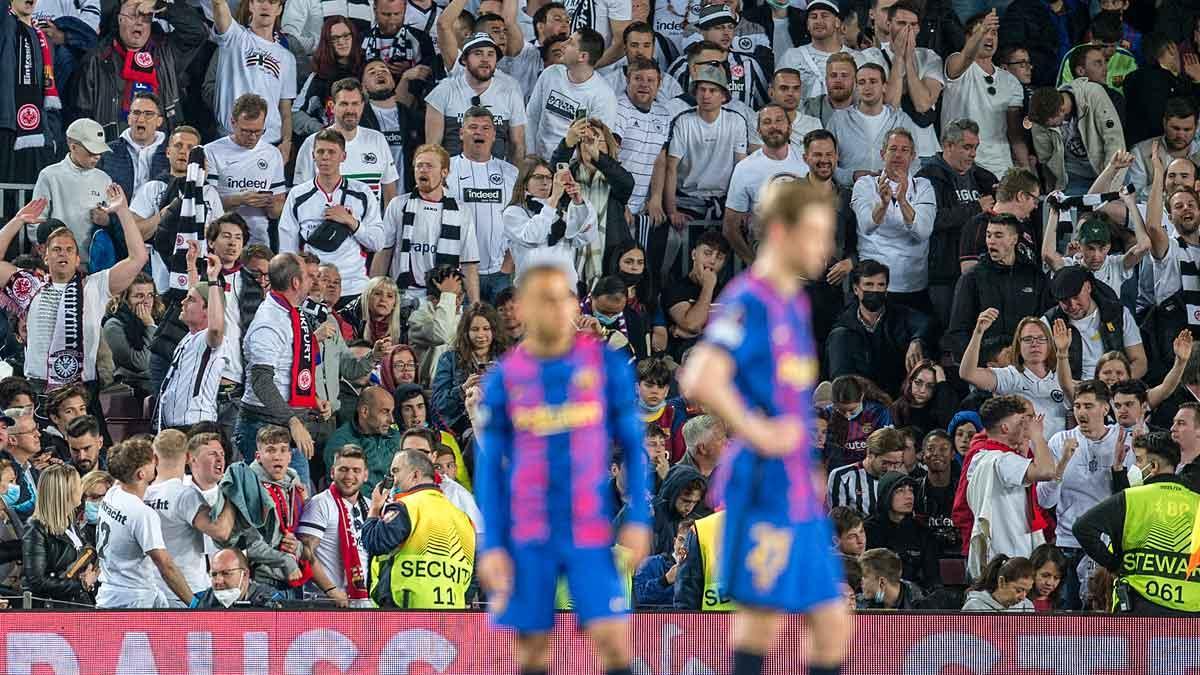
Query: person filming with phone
{"points": [[548, 220]]}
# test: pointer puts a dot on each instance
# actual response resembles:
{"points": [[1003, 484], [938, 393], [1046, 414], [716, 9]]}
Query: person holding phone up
{"points": [[548, 218]]}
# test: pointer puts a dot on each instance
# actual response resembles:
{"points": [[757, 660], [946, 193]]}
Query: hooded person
{"points": [[681, 496], [892, 526]]}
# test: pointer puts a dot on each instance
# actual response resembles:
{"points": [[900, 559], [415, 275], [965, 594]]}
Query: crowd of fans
{"points": [[288, 232]]}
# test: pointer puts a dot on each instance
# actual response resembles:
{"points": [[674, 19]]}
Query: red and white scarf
{"points": [[352, 564]]}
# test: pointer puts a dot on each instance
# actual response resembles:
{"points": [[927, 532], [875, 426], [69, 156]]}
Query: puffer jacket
{"points": [[97, 87], [46, 559]]}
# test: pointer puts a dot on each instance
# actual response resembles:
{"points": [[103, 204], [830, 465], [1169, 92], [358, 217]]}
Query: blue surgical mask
{"points": [[91, 512], [604, 319], [12, 494], [856, 413]]}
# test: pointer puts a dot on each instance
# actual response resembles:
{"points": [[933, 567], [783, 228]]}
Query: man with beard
{"points": [[747, 72], [962, 189], [566, 90], [335, 218], [777, 157], [785, 91], [811, 60], [331, 531], [428, 228], [368, 156], [989, 96], [484, 184], [86, 444], [896, 213], [829, 294], [838, 91], [478, 84], [138, 154], [1175, 258], [149, 209], [391, 112], [642, 124], [1178, 141], [371, 431]]}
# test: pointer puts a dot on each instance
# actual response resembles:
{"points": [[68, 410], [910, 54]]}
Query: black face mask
{"points": [[873, 301], [630, 278]]}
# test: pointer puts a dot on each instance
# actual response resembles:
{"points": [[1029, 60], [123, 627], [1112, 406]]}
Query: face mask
{"points": [[1136, 477], [12, 494], [604, 319], [651, 409], [873, 301], [91, 512], [630, 278], [880, 597], [228, 596]]}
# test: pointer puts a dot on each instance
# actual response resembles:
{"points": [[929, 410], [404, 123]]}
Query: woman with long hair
{"points": [[1033, 373], [591, 150], [129, 326], [478, 343], [1049, 570], [338, 55], [380, 310], [927, 400], [629, 262], [52, 542], [548, 219], [1003, 587]]}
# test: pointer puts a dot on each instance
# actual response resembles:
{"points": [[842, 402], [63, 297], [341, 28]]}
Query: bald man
{"points": [[372, 430]]}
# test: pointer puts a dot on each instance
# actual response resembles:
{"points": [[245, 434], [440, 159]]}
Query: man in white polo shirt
{"points": [[248, 171]]}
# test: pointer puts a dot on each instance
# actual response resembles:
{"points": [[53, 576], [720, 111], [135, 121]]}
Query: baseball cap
{"points": [[825, 4], [1068, 281], [712, 75], [6, 420], [1093, 231], [475, 42], [89, 134], [715, 15], [46, 227]]}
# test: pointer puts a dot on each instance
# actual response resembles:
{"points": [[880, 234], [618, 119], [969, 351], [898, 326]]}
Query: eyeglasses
{"points": [[406, 367], [258, 276], [137, 18], [251, 132], [1019, 64], [143, 113], [1034, 340], [340, 37], [540, 176], [226, 574]]}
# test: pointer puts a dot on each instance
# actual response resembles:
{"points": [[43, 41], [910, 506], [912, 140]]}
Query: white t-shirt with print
{"points": [[320, 520], [1045, 393], [233, 169], [126, 532], [972, 96], [248, 64], [177, 503]]}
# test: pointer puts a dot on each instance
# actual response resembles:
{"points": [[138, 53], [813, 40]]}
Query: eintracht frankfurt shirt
{"points": [[233, 169], [303, 213], [485, 188], [368, 160]]}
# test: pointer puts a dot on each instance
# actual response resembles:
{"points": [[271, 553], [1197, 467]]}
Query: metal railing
{"points": [[12, 197]]}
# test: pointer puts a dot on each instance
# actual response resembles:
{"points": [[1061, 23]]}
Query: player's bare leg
{"points": [[752, 633], [830, 627], [533, 653], [611, 640]]}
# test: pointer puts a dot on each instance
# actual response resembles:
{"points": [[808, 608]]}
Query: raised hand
{"points": [[1182, 345], [115, 197], [985, 320], [1062, 336]]}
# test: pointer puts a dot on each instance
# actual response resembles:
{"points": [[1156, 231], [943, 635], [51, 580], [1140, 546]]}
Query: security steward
{"points": [[699, 585], [422, 547], [1152, 530]]}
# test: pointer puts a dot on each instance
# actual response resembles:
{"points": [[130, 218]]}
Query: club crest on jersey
{"points": [[369, 158], [745, 44], [262, 164], [562, 105], [738, 71], [495, 179], [867, 428], [585, 378]]}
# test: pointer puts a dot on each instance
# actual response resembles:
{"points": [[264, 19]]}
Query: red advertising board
{"points": [[398, 643]]}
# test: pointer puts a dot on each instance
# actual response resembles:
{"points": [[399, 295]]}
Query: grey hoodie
{"points": [[982, 601]]}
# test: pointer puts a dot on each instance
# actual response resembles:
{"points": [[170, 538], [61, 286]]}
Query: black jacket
{"points": [[957, 202], [1017, 291], [934, 415], [1029, 25], [620, 187], [941, 29], [1112, 326], [878, 355], [910, 540], [257, 596], [666, 518], [797, 22], [46, 558], [1149, 87], [934, 507]]}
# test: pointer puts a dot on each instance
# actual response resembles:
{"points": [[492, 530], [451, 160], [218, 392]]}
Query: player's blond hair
{"points": [[784, 200], [170, 444]]}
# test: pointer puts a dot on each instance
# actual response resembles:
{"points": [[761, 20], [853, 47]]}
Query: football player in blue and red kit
{"points": [[549, 414], [775, 555]]}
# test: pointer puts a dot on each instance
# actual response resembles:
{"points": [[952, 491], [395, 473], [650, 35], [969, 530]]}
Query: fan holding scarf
{"points": [[331, 531], [281, 354], [62, 342]]}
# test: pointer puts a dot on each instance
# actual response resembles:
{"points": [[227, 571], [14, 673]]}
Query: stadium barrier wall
{"points": [[412, 643]]}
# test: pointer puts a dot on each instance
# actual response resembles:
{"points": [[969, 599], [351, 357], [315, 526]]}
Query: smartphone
{"points": [[388, 483], [563, 166], [581, 113]]}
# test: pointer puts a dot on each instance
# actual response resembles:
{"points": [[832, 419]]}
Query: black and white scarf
{"points": [[558, 229], [180, 225], [64, 365], [447, 248]]}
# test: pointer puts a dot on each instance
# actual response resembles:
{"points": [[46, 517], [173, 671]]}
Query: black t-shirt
{"points": [[934, 506], [680, 290]]}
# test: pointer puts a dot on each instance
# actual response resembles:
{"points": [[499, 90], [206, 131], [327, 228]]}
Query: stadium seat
{"points": [[954, 571]]}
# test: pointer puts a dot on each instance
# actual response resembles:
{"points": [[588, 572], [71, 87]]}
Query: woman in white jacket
{"points": [[548, 219]]}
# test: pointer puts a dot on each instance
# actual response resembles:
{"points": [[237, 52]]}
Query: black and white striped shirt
{"points": [[189, 391], [748, 81], [852, 486]]}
